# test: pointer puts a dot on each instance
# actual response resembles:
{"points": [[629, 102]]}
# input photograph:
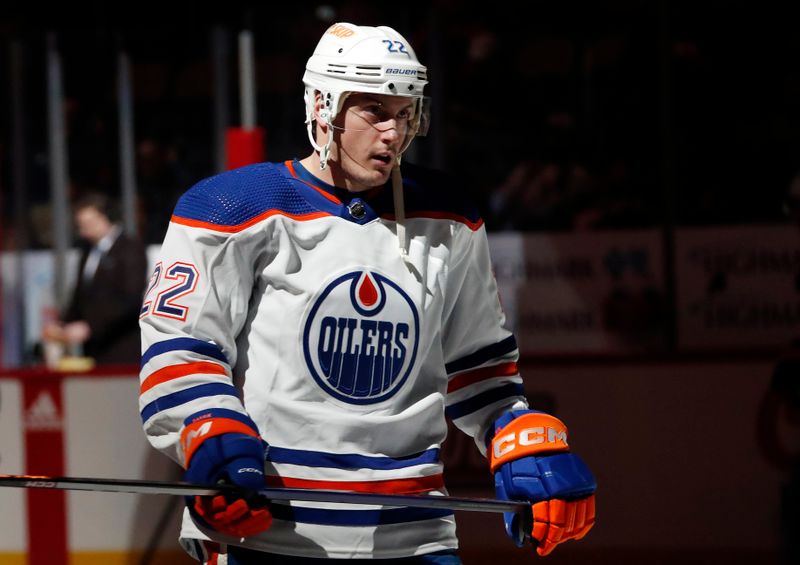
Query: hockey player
{"points": [[313, 323]]}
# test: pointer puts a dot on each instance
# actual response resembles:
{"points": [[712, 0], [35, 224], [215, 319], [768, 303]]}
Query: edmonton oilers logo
{"points": [[360, 338]]}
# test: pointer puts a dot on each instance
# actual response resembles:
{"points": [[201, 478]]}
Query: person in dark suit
{"points": [[103, 313]]}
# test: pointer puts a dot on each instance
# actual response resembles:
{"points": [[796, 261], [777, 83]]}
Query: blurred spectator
{"points": [[778, 429], [539, 195], [618, 199], [102, 317], [91, 144]]}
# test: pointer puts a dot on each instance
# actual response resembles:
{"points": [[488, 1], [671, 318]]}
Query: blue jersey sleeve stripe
{"points": [[348, 460], [182, 397], [184, 344], [222, 413], [330, 517], [481, 356], [484, 399]]}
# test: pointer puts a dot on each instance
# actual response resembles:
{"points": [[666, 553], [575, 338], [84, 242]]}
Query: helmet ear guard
{"points": [[327, 114]]}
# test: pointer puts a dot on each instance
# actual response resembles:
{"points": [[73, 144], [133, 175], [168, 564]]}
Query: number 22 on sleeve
{"points": [[167, 302]]}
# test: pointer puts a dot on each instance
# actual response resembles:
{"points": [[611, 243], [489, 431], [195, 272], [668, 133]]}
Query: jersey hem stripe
{"points": [[348, 460], [330, 517], [390, 486]]}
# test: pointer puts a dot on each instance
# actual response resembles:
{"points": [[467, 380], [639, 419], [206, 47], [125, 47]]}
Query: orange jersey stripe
{"points": [[177, 371], [474, 226], [391, 486], [194, 434], [324, 193], [244, 225], [477, 375]]}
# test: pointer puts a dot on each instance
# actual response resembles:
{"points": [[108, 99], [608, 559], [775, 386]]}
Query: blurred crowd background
{"points": [[638, 165], [561, 115]]}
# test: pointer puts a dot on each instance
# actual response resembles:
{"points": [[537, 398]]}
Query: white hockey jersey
{"points": [[281, 297]]}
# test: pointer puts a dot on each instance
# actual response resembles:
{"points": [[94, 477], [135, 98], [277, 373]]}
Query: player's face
{"points": [[370, 131]]}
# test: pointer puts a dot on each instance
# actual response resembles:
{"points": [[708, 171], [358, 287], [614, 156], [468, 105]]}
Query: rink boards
{"points": [[78, 426], [677, 446]]}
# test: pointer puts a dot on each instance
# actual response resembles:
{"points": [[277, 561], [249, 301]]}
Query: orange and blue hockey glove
{"points": [[531, 461], [224, 446]]}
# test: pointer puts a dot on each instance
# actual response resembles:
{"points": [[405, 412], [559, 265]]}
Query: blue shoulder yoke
{"points": [[234, 197]]}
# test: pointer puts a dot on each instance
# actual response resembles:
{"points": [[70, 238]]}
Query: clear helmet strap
{"points": [[324, 150]]}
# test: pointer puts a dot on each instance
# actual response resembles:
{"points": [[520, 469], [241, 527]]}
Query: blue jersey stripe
{"points": [[330, 517], [184, 344], [222, 413], [348, 460], [183, 396], [481, 356], [483, 399]]}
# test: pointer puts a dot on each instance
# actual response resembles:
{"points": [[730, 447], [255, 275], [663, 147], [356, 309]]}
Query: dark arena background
{"points": [[637, 166]]}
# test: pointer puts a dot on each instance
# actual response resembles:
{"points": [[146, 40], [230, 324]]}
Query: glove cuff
{"points": [[210, 423], [532, 433]]}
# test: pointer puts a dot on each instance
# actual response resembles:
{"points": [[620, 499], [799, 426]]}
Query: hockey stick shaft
{"points": [[281, 493]]}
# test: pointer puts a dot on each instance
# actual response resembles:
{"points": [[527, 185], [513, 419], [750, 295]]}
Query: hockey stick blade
{"points": [[278, 493]]}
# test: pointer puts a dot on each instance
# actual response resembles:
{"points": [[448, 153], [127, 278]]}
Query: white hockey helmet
{"points": [[351, 58]]}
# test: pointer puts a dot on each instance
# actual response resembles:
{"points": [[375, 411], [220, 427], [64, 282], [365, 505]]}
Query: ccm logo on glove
{"points": [[529, 434]]}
